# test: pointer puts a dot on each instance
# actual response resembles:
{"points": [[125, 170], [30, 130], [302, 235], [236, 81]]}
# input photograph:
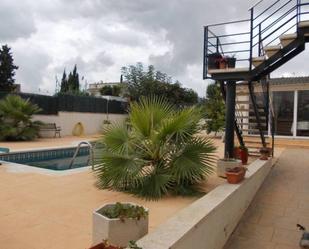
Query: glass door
{"points": [[284, 112], [303, 114]]}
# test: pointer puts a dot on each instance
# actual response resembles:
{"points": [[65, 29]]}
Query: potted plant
{"points": [[231, 61], [106, 245], [226, 163], [243, 154], [213, 60], [237, 152], [222, 63], [235, 175], [119, 223], [264, 153]]}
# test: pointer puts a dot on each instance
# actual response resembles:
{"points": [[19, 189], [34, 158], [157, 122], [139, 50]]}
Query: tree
{"points": [[70, 84], [106, 90], [109, 90], [64, 83], [158, 155], [215, 109], [16, 119], [151, 82], [7, 69]]}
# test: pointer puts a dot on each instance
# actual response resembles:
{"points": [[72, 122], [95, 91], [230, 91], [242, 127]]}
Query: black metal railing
{"points": [[264, 28]]}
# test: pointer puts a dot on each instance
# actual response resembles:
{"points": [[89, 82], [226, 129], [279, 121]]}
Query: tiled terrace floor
{"points": [[281, 203], [54, 212]]}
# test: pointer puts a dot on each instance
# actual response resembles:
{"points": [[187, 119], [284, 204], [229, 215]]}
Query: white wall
{"points": [[92, 122], [208, 222]]}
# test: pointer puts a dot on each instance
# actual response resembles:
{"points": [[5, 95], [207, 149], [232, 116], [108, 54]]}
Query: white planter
{"points": [[223, 165], [117, 232]]}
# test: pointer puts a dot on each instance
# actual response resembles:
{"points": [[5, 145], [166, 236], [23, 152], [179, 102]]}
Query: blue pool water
{"points": [[54, 159], [60, 163]]}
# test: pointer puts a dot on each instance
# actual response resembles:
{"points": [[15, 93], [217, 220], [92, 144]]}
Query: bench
{"points": [[51, 127]]}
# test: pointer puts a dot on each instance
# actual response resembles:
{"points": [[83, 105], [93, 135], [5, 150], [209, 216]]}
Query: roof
{"points": [[289, 80], [285, 81]]}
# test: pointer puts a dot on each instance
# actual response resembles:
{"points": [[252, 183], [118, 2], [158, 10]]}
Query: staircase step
{"points": [[271, 50], [249, 110], [256, 61], [243, 102], [303, 24], [228, 70], [287, 39], [262, 117], [250, 129], [242, 123]]}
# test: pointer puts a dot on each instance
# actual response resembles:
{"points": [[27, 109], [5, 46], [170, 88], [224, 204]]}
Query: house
{"points": [[94, 88], [290, 105]]}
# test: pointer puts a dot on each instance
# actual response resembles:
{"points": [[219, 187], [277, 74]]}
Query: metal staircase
{"points": [[273, 35]]}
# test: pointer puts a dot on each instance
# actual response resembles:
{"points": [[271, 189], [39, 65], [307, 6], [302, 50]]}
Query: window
{"points": [[303, 114], [284, 111]]}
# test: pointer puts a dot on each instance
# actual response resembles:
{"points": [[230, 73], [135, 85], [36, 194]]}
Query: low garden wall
{"points": [[92, 122], [208, 222]]}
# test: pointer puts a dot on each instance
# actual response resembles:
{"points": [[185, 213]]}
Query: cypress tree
{"points": [[7, 69], [64, 83]]}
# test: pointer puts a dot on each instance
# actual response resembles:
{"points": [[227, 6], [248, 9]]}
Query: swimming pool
{"points": [[53, 159]]}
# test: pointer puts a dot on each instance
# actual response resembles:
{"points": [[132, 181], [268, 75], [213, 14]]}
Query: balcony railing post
{"points": [[251, 37], [205, 69], [217, 44], [298, 11], [260, 39]]}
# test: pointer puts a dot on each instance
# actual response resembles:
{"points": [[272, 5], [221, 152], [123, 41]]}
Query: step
{"points": [[256, 61], [303, 24], [249, 124], [248, 130], [249, 110], [250, 118], [271, 50], [243, 102], [228, 70], [287, 39]]}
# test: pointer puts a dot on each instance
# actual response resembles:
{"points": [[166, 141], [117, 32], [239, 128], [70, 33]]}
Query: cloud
{"points": [[16, 20], [101, 36]]}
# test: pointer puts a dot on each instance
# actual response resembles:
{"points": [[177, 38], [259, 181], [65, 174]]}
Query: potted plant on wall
{"points": [[222, 62], [231, 61], [235, 175], [119, 223], [106, 245], [243, 152], [237, 152], [226, 163], [213, 60], [265, 153]]}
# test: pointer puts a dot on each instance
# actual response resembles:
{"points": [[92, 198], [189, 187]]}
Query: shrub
{"points": [[157, 153], [123, 211], [15, 119]]}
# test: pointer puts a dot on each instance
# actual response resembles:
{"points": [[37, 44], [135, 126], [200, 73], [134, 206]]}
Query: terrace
{"points": [[54, 211]]}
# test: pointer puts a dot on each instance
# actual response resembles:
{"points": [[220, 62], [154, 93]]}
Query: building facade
{"points": [[290, 104]]}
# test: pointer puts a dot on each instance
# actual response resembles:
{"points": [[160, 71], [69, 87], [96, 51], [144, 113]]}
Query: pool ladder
{"points": [[91, 156]]}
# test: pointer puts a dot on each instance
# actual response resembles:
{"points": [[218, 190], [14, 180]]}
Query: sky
{"points": [[101, 36]]}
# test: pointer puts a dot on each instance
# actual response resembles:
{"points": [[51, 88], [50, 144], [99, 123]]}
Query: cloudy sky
{"points": [[101, 36]]}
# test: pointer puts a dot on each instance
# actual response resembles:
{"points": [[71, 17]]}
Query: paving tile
{"points": [[241, 243], [285, 236], [255, 231]]}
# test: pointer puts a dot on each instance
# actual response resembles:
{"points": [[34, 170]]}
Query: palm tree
{"points": [[157, 154], [15, 119]]}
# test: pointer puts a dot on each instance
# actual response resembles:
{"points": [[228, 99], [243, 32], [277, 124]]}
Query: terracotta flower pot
{"points": [[244, 156], [265, 153], [102, 246], [222, 64], [235, 175], [237, 153]]}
